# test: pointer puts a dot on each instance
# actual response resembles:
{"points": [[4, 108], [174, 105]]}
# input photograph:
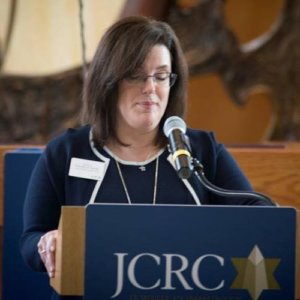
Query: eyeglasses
{"points": [[161, 79]]}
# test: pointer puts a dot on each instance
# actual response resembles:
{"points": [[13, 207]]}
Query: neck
{"points": [[140, 149]]}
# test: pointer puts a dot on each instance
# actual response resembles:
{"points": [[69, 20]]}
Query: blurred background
{"points": [[243, 58]]}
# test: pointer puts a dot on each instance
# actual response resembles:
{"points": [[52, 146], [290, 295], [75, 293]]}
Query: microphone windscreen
{"points": [[172, 123]]}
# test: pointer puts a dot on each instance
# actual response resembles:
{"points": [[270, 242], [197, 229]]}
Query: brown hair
{"points": [[121, 51]]}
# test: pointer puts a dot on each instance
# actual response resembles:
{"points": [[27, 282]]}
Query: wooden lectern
{"points": [[70, 255], [69, 275]]}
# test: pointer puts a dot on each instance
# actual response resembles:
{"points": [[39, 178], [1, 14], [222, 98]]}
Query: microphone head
{"points": [[172, 123]]}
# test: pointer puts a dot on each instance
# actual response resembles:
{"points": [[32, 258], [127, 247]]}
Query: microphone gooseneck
{"points": [[224, 192], [174, 129]]}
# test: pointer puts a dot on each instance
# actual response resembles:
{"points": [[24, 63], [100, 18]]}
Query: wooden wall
{"points": [[210, 107], [209, 104], [272, 169]]}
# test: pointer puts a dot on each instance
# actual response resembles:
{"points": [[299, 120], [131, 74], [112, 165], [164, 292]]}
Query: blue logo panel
{"points": [[141, 252]]}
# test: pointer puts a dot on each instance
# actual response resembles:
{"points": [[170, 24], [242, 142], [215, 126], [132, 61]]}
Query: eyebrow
{"points": [[159, 68], [163, 67]]}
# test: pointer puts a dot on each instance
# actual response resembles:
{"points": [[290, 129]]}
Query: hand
{"points": [[47, 248]]}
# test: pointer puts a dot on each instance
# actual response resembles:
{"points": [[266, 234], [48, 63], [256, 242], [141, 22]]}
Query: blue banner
{"points": [[145, 252]]}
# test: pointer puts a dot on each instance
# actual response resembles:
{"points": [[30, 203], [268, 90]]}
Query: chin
{"points": [[149, 125]]}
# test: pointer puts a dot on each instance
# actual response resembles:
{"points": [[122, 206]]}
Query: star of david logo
{"points": [[255, 273]]}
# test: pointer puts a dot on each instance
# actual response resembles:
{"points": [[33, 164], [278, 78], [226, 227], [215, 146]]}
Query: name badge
{"points": [[88, 169]]}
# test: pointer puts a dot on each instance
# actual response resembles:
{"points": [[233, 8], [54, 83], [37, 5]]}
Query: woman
{"points": [[137, 79]]}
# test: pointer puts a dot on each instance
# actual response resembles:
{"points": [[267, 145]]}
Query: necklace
{"points": [[125, 187]]}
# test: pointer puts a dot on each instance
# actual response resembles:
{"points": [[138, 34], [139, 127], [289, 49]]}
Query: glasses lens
{"points": [[162, 79], [173, 77]]}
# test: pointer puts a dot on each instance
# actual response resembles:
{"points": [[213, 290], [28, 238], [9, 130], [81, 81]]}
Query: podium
{"points": [[176, 252]]}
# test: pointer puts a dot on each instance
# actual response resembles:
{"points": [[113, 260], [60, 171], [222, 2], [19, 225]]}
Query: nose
{"points": [[149, 85]]}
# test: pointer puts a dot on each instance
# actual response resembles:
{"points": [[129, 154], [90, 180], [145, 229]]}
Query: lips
{"points": [[147, 104]]}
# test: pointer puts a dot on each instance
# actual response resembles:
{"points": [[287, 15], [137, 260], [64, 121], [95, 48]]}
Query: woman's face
{"points": [[143, 100]]}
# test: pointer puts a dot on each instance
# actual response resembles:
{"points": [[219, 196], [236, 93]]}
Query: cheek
{"points": [[124, 99], [164, 96], [123, 106]]}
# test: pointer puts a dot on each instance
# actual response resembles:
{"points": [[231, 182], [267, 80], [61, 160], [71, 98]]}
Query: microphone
{"points": [[174, 129]]}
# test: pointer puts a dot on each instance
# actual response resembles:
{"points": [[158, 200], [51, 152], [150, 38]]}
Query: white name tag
{"points": [[88, 169]]}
